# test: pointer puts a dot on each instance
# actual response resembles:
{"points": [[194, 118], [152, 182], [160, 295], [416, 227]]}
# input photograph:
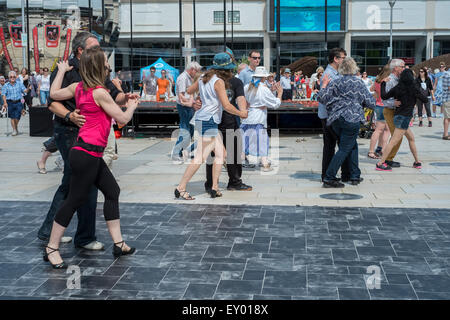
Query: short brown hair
{"points": [[252, 52], [92, 67]]}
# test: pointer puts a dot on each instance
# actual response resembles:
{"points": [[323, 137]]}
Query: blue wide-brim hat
{"points": [[222, 61]]}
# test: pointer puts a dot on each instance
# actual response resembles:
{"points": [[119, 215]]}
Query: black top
{"points": [[236, 90], [427, 82], [73, 76], [408, 101]]}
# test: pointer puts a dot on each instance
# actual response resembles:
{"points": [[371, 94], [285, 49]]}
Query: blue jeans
{"points": [[348, 148], [65, 137], [43, 96], [186, 130]]}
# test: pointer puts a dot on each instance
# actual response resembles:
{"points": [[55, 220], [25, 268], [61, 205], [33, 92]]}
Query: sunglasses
{"points": [[256, 58]]}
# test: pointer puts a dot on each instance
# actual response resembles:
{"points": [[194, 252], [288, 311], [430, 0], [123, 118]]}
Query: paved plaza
{"points": [[283, 240]]}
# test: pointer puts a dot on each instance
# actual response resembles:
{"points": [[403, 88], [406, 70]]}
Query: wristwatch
{"points": [[67, 117]]}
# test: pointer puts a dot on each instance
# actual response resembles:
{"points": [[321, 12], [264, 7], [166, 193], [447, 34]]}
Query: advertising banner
{"points": [[5, 48]]}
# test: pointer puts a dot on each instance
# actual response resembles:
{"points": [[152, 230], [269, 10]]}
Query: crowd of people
{"points": [[223, 122]]}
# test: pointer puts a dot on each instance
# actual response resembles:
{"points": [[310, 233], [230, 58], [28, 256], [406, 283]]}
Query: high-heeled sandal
{"points": [[184, 195], [215, 193], [117, 251], [61, 265]]}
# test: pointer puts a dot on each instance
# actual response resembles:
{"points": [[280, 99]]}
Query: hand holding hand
{"points": [[244, 114], [77, 118], [197, 105], [131, 96], [63, 66], [397, 103], [132, 103]]}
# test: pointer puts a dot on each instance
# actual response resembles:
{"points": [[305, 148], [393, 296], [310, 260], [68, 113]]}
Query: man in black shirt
{"points": [[232, 138], [67, 122]]}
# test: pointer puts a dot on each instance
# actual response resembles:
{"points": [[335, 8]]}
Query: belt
{"points": [[88, 146], [13, 101]]}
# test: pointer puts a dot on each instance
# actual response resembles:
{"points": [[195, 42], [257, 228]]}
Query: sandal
{"points": [[41, 169], [372, 155], [215, 193], [446, 138], [184, 195]]}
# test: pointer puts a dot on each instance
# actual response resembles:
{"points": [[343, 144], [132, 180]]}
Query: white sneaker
{"points": [[94, 245], [66, 239], [14, 133]]}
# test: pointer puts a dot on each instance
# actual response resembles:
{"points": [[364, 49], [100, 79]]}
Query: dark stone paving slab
{"points": [[237, 252]]}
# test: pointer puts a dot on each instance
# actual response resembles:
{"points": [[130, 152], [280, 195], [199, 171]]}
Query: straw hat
{"points": [[261, 72]]}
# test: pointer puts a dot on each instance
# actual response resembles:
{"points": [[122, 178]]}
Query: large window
{"points": [[441, 47], [308, 15], [232, 17]]}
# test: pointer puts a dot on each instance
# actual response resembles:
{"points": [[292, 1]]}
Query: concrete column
{"points": [[420, 44], [267, 51], [187, 45], [430, 45], [347, 43]]}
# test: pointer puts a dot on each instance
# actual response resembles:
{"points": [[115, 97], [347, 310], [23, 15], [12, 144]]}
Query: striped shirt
{"points": [[13, 92], [446, 87]]}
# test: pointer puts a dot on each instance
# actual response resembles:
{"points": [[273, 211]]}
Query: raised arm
{"points": [[56, 93], [104, 99], [193, 88]]}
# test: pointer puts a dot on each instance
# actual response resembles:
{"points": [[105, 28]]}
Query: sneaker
{"points": [[14, 133], [242, 187], [354, 181], [393, 164], [63, 239], [177, 160], [430, 124], [383, 167], [94, 245], [417, 165], [333, 184]]}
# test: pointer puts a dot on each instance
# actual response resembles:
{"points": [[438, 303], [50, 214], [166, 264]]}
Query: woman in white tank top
{"points": [[213, 95]]}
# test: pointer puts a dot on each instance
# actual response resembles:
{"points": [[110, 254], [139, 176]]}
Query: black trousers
{"points": [[234, 162], [88, 171], [287, 94], [330, 140], [420, 106]]}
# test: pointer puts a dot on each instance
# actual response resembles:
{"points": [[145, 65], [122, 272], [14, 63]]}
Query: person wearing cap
{"points": [[259, 97], [286, 84], [232, 138], [212, 88], [254, 58]]}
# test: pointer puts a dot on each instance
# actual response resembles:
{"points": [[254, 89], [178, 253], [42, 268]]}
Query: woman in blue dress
{"points": [[438, 88]]}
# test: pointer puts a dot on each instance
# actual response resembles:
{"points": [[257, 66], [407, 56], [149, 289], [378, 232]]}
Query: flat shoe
{"points": [[41, 169]]}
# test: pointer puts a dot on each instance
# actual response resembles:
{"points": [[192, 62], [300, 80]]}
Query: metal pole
{"points": [[103, 20], [131, 45], [90, 16], [24, 50], [224, 25], [28, 38], [391, 3], [278, 39], [232, 24], [326, 25], [195, 32], [180, 13]]}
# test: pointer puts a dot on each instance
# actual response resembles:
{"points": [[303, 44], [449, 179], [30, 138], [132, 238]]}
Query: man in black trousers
{"points": [[232, 138]]}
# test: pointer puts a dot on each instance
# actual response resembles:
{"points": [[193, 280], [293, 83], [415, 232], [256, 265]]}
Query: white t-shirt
{"points": [[211, 106], [259, 101], [45, 83]]}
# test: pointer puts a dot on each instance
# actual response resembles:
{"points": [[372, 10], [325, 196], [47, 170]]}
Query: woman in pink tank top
{"points": [[88, 167]]}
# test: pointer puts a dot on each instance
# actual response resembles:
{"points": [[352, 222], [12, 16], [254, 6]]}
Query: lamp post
{"points": [[278, 39], [224, 25], [391, 49]]}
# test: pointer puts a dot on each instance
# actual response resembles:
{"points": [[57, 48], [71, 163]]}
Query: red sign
{"points": [[68, 37], [36, 49], [5, 49], [52, 36], [15, 30], [410, 60]]}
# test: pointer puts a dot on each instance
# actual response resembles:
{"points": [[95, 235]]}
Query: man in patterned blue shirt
{"points": [[446, 103], [12, 94], [335, 58]]}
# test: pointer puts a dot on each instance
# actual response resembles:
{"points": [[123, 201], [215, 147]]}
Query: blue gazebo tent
{"points": [[160, 64]]}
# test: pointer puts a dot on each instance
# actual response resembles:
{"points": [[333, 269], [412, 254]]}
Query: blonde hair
{"points": [[385, 72], [348, 66], [92, 67]]}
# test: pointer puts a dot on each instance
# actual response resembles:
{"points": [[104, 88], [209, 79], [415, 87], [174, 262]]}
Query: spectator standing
{"points": [[367, 81], [12, 93], [286, 83], [25, 79], [163, 87], [185, 103], [150, 85], [246, 74], [438, 88], [425, 83], [446, 103], [44, 87]]}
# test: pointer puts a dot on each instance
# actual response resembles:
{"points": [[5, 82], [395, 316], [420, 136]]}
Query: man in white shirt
{"points": [[185, 110], [286, 83]]}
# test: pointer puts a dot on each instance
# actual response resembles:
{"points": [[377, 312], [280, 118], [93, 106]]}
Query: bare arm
{"points": [[64, 93], [104, 99], [193, 88], [61, 111], [219, 87]]}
